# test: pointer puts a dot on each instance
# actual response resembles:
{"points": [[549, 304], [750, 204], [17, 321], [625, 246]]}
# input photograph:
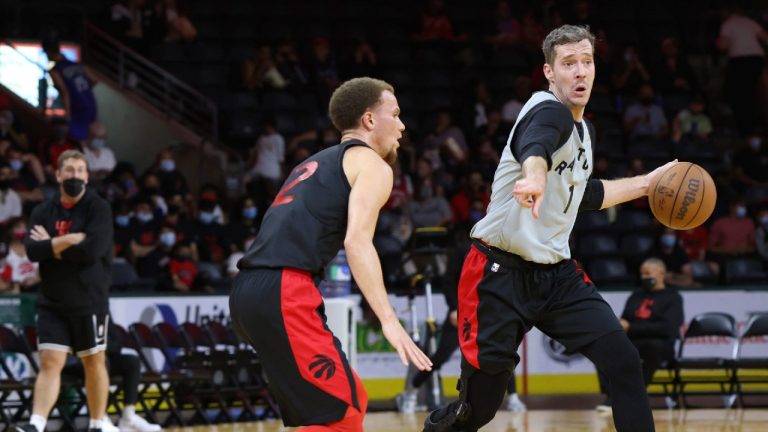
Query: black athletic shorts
{"points": [[82, 335], [501, 296], [280, 312]]}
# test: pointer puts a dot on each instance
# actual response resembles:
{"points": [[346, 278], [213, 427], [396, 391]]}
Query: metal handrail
{"points": [[153, 84]]}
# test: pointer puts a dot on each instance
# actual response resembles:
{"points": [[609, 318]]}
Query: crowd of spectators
{"points": [[649, 103]]}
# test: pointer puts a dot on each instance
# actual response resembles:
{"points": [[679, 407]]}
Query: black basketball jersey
{"points": [[305, 226]]}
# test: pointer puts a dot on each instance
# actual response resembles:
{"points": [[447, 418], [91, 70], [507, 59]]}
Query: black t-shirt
{"points": [[654, 314], [305, 226]]}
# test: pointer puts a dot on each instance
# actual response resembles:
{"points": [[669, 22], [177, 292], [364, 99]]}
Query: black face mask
{"points": [[648, 283], [73, 186]]}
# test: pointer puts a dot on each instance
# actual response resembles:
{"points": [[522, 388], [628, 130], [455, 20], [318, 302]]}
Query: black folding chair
{"points": [[752, 370], [250, 376], [196, 390], [706, 371], [15, 392], [163, 383]]}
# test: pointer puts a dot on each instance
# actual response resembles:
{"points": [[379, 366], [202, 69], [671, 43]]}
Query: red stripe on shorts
{"points": [[471, 275], [311, 343]]}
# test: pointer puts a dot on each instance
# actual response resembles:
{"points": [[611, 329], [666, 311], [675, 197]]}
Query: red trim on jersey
{"points": [[471, 275], [311, 342]]}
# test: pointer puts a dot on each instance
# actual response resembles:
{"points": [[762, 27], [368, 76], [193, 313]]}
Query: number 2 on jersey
{"points": [[282, 197], [570, 198]]}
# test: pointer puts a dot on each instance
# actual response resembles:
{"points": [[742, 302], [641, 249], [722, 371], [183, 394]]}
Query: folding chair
{"points": [[752, 369], [250, 375], [120, 335], [163, 383], [196, 389], [15, 392], [703, 369], [224, 369]]}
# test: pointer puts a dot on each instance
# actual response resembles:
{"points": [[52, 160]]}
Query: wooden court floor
{"points": [[701, 420]]}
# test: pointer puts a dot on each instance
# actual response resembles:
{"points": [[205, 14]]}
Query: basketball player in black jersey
{"points": [[330, 200]]}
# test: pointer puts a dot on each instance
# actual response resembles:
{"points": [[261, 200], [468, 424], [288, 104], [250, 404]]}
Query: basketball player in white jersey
{"points": [[519, 273]]}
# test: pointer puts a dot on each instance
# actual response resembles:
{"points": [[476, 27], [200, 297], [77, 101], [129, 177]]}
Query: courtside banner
{"points": [[545, 367]]}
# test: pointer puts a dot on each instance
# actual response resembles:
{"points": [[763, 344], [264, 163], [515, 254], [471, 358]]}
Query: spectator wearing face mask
{"points": [[652, 318], [123, 231], [429, 208], [101, 159], [670, 251], [212, 242], [10, 202], [172, 182], [145, 229], [19, 272], [154, 265], [761, 234], [244, 223], [183, 272], [733, 234]]}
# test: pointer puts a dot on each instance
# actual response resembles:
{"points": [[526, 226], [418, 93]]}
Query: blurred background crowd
{"points": [[680, 80]]}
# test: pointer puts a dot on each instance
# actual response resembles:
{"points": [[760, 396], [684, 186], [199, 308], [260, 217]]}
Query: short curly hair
{"points": [[564, 35], [353, 98]]}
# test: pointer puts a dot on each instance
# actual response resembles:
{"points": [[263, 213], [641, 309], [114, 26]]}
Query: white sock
{"points": [[129, 411], [38, 422], [94, 424]]}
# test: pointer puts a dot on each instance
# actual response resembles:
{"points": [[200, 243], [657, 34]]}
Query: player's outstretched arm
{"points": [[371, 181], [529, 191], [626, 189]]}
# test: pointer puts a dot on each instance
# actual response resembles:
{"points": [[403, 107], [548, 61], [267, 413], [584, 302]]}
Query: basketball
{"points": [[683, 197]]}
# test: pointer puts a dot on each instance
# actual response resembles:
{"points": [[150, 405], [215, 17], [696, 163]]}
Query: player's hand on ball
{"points": [[649, 178], [404, 345]]}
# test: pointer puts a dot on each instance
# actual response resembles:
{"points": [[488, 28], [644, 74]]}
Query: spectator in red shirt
{"points": [[734, 234], [473, 189], [694, 242], [182, 269]]}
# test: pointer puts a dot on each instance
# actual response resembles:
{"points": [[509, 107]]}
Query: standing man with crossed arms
{"points": [[519, 272], [70, 235]]}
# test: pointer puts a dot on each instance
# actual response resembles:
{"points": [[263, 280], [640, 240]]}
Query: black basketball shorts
{"points": [[501, 296], [80, 334], [280, 312]]}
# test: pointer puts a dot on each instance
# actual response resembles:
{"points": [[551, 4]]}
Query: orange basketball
{"points": [[683, 196]]}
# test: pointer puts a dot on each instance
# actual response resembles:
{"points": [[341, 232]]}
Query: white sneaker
{"points": [[514, 404], [136, 423], [406, 401], [107, 425]]}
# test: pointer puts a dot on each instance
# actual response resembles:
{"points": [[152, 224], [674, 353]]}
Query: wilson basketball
{"points": [[683, 197]]}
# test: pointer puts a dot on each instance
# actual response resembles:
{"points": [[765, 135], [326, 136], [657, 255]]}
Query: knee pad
{"points": [[480, 395]]}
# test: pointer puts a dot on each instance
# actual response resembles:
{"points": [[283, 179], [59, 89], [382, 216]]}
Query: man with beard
{"points": [[331, 200], [519, 272]]}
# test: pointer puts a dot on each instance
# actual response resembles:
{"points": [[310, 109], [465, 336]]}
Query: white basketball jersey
{"points": [[511, 227]]}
